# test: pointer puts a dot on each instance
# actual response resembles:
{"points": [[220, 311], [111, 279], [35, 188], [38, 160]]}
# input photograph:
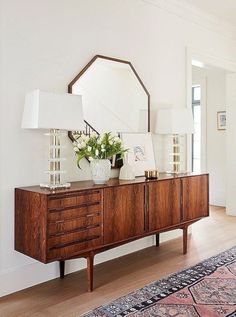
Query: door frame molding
{"points": [[208, 59]]}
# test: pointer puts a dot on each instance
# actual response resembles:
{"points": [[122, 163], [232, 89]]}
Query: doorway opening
{"points": [[209, 143], [196, 137], [213, 147]]}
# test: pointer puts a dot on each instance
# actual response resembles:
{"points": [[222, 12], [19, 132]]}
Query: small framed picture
{"points": [[141, 154], [221, 120]]}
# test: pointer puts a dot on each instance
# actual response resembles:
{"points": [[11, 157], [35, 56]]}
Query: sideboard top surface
{"points": [[113, 182]]}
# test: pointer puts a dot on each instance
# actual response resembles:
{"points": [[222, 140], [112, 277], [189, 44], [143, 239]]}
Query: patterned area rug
{"points": [[207, 289]]}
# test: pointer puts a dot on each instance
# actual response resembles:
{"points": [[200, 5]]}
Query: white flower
{"points": [[103, 150], [102, 146], [90, 159], [99, 141], [93, 134], [96, 152], [117, 139], [76, 149], [111, 142], [82, 145], [89, 148], [79, 140]]}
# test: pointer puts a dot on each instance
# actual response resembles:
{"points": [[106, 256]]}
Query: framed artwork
{"points": [[221, 120], [140, 154]]}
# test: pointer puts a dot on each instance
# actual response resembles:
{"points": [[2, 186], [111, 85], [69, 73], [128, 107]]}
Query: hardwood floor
{"points": [[69, 298]]}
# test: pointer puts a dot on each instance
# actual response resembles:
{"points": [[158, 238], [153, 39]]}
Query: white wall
{"points": [[213, 83], [231, 144], [44, 44], [216, 139]]}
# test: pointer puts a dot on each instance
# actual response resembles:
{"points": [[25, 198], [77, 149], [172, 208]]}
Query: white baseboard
{"points": [[25, 276], [218, 198]]}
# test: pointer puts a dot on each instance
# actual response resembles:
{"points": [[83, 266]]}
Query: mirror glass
{"points": [[114, 97]]}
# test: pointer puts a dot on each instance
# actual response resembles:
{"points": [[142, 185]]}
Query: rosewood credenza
{"points": [[87, 219]]}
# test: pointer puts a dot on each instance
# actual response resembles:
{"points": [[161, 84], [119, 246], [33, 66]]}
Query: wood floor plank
{"points": [[69, 297]]}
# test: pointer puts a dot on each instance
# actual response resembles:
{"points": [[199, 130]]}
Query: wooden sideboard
{"points": [[87, 219]]}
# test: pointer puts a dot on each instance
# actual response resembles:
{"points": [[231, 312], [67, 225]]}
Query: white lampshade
{"points": [[46, 110], [174, 121]]}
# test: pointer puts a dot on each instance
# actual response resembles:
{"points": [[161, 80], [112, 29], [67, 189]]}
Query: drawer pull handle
{"points": [[73, 219], [74, 207], [62, 233], [59, 246], [74, 195]]}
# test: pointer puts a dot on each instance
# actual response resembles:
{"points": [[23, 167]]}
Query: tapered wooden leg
{"points": [[90, 261], [157, 240], [185, 240], [62, 269]]}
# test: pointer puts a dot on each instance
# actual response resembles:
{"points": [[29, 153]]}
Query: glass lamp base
{"points": [[55, 186]]}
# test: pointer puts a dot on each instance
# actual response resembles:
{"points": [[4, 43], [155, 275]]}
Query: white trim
{"points": [[34, 273], [186, 11], [27, 275], [203, 83], [207, 59]]}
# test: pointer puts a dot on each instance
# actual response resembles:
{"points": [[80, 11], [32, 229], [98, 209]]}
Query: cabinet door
{"points": [[123, 212], [195, 197], [164, 204]]}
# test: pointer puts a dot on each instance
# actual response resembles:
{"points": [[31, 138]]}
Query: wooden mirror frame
{"points": [[70, 133]]}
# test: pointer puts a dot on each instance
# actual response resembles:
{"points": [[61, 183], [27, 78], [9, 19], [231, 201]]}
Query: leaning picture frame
{"points": [[141, 153], [221, 120]]}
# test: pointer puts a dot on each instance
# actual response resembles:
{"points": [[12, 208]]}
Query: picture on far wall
{"points": [[221, 120], [141, 153]]}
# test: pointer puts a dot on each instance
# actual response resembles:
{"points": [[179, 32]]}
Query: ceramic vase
{"points": [[101, 170]]}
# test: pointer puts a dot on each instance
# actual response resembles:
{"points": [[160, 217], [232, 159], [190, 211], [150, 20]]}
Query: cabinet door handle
{"points": [[181, 201], [57, 209], [146, 207]]}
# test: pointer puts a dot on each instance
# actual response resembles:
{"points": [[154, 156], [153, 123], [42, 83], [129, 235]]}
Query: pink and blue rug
{"points": [[207, 289]]}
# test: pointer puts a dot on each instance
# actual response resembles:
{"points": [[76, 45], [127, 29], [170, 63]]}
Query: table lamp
{"points": [[175, 122], [53, 112]]}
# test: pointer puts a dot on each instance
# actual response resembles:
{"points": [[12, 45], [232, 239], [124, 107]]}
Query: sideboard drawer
{"points": [[74, 199], [67, 226], [66, 213], [70, 249], [79, 236]]}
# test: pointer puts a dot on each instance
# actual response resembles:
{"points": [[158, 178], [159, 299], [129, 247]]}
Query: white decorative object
{"points": [[141, 154], [101, 170], [126, 171], [175, 122], [221, 120], [45, 110]]}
